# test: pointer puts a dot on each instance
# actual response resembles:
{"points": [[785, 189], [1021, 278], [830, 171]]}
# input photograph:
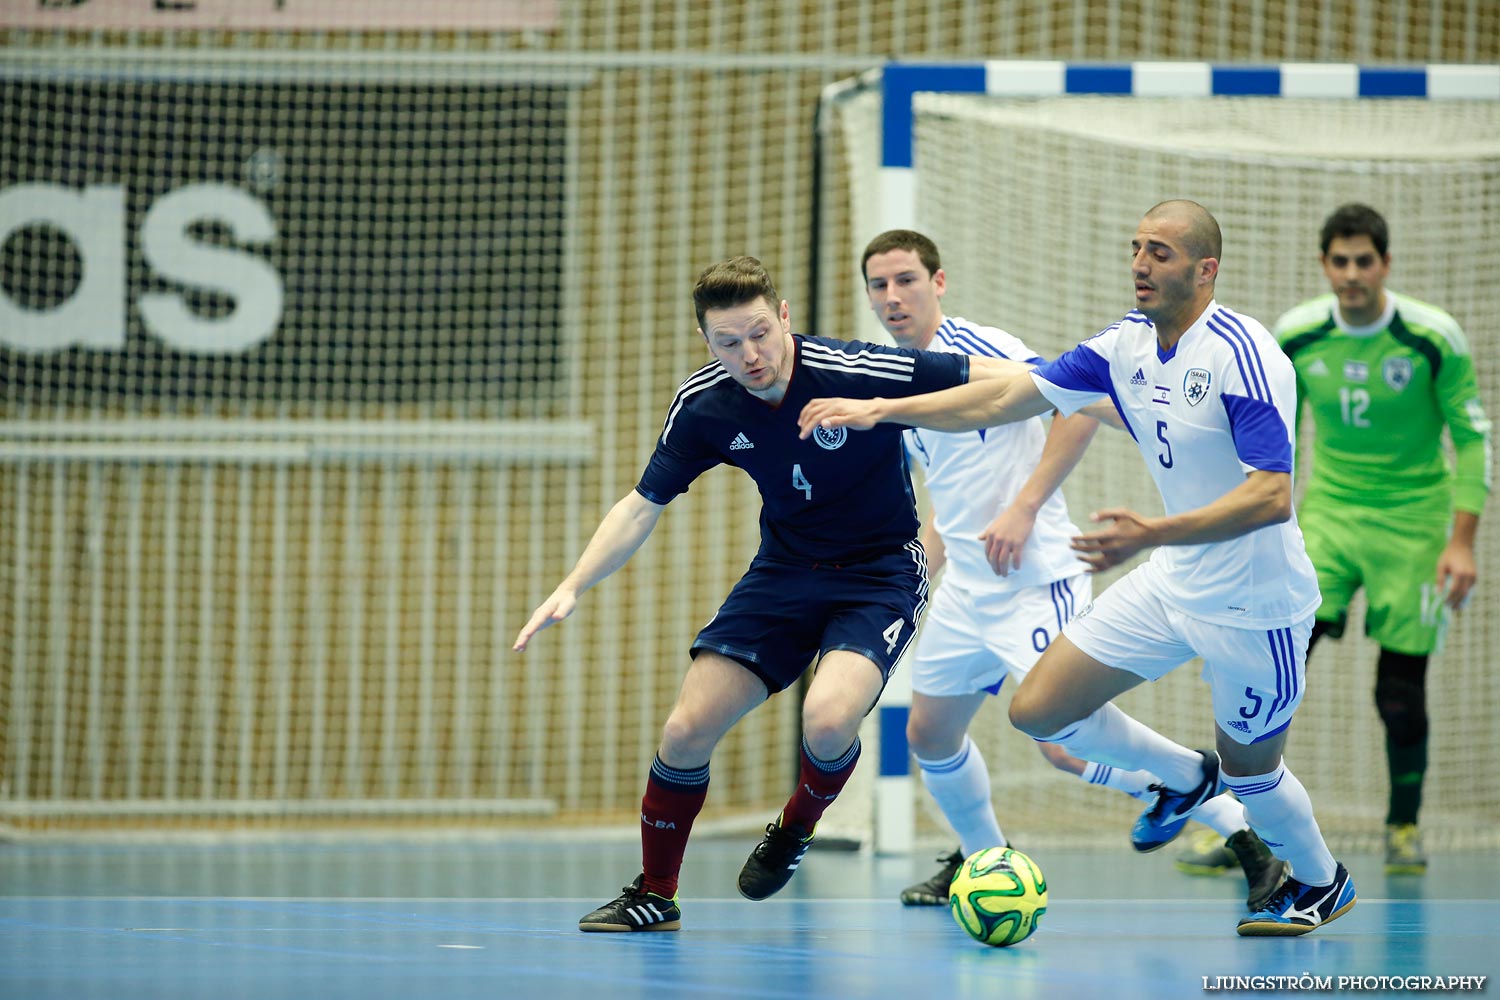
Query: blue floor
{"points": [[496, 921]]}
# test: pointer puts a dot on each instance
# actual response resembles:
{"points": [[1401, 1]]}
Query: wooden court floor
{"points": [[497, 920]]}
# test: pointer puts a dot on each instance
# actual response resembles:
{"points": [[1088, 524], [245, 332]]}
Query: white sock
{"points": [[1279, 809], [961, 786], [1132, 783], [1223, 814], [1109, 736]]}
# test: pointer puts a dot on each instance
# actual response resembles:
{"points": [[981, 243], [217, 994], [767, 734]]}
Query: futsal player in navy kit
{"points": [[840, 577]]}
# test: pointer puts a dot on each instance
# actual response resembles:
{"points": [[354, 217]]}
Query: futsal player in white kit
{"points": [[1209, 399], [999, 528]]}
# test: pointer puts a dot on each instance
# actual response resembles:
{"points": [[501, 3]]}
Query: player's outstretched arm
{"points": [[1104, 411], [1005, 537], [1003, 399], [982, 367], [1263, 498], [624, 529]]}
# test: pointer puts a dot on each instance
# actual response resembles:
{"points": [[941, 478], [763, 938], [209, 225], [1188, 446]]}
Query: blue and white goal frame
{"points": [[894, 819], [900, 82]]}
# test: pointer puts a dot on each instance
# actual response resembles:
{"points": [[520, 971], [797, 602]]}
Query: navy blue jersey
{"points": [[839, 496]]}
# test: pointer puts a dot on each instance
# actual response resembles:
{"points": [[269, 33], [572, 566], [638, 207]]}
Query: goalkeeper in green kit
{"points": [[1382, 374]]}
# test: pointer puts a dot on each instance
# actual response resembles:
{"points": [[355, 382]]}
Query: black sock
{"points": [[1408, 765]]}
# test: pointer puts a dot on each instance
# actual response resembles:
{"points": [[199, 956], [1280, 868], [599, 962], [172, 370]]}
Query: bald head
{"points": [[1200, 230]]}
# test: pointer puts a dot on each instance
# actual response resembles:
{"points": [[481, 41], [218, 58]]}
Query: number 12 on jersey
{"points": [[1352, 406]]}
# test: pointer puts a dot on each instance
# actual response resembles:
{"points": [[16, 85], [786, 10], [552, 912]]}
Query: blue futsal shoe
{"points": [[1297, 908], [1167, 816]]}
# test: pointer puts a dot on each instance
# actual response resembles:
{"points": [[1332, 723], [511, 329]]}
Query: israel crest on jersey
{"points": [[1195, 385], [830, 437], [1396, 372]]}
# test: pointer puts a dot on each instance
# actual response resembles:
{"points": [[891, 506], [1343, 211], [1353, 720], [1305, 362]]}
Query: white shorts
{"points": [[968, 643], [1255, 674]]}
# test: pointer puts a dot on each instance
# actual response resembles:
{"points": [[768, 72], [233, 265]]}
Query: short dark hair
{"points": [[730, 283], [1355, 219], [1204, 239], [903, 239]]}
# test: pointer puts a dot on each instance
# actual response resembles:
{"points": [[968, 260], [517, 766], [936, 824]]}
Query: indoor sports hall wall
{"points": [[324, 349]]}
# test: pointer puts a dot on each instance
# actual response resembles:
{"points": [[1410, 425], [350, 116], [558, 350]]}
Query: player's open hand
{"points": [[1127, 533], [1005, 537], [1456, 573], [855, 414], [553, 610]]}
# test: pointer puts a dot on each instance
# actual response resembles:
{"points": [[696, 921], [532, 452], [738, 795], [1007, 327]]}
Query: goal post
{"points": [[1030, 176]]}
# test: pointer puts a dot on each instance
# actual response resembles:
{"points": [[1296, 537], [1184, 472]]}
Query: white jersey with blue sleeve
{"points": [[974, 475], [1216, 407]]}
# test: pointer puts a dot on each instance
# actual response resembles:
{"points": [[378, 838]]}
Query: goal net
{"points": [[1033, 201], [320, 361]]}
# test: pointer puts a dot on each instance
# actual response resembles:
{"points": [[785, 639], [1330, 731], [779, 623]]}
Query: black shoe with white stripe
{"points": [[934, 892], [636, 910], [773, 862]]}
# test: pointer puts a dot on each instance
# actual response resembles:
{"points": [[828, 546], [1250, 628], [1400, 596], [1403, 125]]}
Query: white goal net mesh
{"points": [[1033, 203]]}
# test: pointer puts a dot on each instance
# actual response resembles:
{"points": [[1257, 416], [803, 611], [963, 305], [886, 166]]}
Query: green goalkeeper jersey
{"points": [[1379, 397]]}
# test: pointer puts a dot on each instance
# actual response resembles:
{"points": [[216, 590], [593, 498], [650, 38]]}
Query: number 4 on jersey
{"points": [[799, 482]]}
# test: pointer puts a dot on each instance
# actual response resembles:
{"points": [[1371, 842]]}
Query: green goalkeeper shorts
{"points": [[1393, 557]]}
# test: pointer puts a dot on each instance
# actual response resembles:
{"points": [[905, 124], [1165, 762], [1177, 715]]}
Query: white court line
{"points": [[586, 899], [224, 933]]}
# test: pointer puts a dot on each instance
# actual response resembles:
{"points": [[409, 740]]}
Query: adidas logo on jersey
{"points": [[1318, 367], [1139, 378], [740, 442]]}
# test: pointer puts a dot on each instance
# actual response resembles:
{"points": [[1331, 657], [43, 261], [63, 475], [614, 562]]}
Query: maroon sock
{"points": [[672, 801], [818, 784]]}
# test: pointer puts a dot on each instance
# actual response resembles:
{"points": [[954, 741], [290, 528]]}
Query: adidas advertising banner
{"points": [[279, 239]]}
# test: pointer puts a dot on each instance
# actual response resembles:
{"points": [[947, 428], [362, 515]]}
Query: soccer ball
{"points": [[998, 896]]}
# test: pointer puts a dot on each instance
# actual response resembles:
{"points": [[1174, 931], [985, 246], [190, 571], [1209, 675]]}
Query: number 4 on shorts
{"points": [[891, 634]]}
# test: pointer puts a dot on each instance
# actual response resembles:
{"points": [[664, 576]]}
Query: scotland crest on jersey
{"points": [[830, 437], [1396, 372], [1195, 385]]}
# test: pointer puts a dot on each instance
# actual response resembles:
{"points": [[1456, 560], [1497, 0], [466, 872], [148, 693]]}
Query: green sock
{"points": [[1408, 765]]}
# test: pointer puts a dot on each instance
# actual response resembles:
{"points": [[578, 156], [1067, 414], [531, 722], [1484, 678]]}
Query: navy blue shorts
{"points": [[781, 616]]}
